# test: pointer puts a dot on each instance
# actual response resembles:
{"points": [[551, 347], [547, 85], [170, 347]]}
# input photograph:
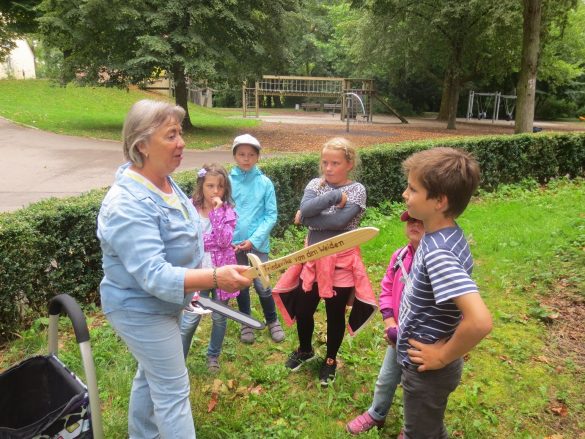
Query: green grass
{"points": [[99, 112], [524, 240]]}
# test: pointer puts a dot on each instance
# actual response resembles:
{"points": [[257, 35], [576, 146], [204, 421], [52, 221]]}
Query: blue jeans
{"points": [[388, 380], [159, 400], [265, 294], [190, 322]]}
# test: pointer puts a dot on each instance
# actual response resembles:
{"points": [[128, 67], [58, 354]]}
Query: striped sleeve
{"points": [[448, 277]]}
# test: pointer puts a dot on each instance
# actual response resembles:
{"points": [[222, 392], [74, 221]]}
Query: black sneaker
{"points": [[297, 358], [327, 372]]}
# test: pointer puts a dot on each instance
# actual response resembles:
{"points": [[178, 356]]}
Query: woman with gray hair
{"points": [[152, 243]]}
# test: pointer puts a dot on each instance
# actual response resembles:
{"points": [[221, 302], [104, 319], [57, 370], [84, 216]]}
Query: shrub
{"points": [[51, 247]]}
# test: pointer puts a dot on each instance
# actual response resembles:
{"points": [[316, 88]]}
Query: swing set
{"points": [[490, 101]]}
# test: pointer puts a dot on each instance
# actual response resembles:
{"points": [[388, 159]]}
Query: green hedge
{"points": [[50, 247]]}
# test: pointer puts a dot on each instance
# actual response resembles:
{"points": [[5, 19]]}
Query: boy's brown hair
{"points": [[446, 171]]}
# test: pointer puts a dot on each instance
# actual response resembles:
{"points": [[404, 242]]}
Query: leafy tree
{"points": [[119, 42], [540, 19], [446, 38], [7, 37]]}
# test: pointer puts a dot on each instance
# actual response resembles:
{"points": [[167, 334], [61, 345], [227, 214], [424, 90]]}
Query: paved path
{"points": [[37, 164]]}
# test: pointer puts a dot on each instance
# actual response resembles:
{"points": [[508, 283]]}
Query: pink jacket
{"points": [[218, 242], [300, 278], [392, 284]]}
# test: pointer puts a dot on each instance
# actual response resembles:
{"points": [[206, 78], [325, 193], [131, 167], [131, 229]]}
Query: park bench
{"points": [[312, 106], [332, 107]]}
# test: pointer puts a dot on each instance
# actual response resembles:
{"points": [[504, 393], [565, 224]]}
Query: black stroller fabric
{"points": [[41, 398]]}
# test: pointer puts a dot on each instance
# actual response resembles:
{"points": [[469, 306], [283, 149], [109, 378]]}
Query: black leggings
{"points": [[335, 308]]}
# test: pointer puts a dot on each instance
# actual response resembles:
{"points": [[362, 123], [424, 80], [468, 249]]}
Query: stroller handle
{"points": [[64, 302]]}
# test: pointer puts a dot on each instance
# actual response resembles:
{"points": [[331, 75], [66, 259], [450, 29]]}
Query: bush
{"points": [[51, 247]]}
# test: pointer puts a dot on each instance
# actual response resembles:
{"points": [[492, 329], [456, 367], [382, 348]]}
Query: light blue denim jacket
{"points": [[147, 247], [255, 199]]}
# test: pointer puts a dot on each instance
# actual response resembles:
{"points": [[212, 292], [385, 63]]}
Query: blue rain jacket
{"points": [[255, 200]]}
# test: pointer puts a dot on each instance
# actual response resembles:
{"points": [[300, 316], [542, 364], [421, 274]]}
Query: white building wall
{"points": [[20, 64]]}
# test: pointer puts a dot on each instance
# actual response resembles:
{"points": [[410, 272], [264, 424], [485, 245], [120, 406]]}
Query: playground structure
{"points": [[483, 102], [354, 95]]}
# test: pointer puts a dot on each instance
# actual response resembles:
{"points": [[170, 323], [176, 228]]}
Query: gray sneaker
{"points": [[213, 364], [276, 331], [247, 335]]}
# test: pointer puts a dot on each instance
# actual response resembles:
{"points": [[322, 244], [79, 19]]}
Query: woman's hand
{"points": [[230, 279], [216, 202]]}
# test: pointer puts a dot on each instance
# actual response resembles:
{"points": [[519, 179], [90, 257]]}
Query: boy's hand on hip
{"points": [[427, 356]]}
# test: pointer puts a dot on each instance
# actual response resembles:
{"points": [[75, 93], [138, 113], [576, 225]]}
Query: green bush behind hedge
{"points": [[51, 247]]}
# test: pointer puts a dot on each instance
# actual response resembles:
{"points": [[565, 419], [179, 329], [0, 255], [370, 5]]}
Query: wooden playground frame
{"points": [[346, 90]]}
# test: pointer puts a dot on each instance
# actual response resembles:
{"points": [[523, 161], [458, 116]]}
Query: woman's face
{"points": [[335, 167], [164, 150]]}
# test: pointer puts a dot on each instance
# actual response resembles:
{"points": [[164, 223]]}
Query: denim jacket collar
{"points": [[141, 192]]}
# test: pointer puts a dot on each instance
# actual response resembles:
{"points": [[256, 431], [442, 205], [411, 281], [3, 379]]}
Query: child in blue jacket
{"points": [[255, 201]]}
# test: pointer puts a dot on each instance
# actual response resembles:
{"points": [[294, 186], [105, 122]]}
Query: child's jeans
{"points": [[265, 294], [159, 401], [425, 399], [388, 379], [190, 322]]}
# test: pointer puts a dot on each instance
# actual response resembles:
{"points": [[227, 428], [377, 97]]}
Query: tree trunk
{"points": [[526, 88], [453, 81], [444, 107], [181, 93], [453, 99]]}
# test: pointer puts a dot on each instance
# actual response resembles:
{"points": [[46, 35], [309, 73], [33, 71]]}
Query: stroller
{"points": [[41, 399]]}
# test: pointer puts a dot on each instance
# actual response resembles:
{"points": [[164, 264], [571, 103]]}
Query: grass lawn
{"points": [[527, 242], [99, 112]]}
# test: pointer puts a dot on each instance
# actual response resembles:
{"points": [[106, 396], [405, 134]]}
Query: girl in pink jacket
{"points": [[390, 372], [213, 201]]}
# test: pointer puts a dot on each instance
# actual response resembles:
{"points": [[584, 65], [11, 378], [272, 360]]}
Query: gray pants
{"points": [[425, 399]]}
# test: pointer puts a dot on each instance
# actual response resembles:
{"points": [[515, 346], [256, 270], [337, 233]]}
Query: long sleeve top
{"points": [[393, 282], [320, 213], [255, 200], [147, 247], [218, 241]]}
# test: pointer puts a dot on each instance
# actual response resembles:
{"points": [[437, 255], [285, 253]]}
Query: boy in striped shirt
{"points": [[442, 316]]}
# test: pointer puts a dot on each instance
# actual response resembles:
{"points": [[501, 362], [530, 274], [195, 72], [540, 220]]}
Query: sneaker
{"points": [[276, 331], [213, 364], [247, 335], [327, 372], [362, 423], [297, 358]]}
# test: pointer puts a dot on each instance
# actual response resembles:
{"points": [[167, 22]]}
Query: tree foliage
{"points": [[120, 42]]}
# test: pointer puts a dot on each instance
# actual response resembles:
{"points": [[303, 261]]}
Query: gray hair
{"points": [[142, 120]]}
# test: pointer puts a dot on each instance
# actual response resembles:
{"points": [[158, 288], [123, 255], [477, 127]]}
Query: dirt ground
{"points": [[294, 131]]}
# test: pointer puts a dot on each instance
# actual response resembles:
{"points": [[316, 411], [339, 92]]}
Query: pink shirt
{"points": [[392, 283]]}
